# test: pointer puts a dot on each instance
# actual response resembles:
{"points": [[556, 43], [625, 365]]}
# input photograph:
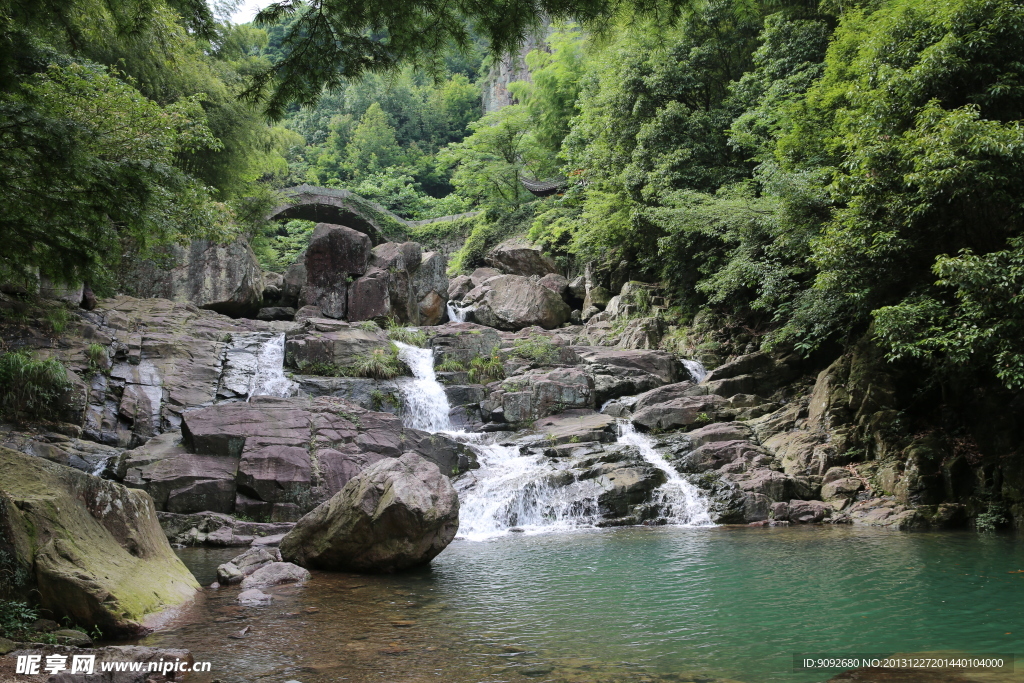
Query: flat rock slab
{"points": [[658, 363], [577, 426], [265, 457]]}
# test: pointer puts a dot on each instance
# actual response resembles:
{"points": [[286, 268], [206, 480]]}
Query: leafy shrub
{"points": [[15, 618], [30, 387], [378, 399], [451, 365], [97, 356], [992, 519], [379, 364], [57, 318], [537, 348], [368, 326]]}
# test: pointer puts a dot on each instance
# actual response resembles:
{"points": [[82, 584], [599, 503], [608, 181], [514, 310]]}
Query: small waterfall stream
{"points": [[270, 379], [424, 403], [458, 314], [680, 501], [696, 369]]}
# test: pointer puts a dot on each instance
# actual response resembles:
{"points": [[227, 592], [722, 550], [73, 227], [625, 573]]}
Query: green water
{"points": [[628, 604]]}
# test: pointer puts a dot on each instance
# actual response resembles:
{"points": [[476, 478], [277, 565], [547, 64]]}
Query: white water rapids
{"points": [[530, 493]]}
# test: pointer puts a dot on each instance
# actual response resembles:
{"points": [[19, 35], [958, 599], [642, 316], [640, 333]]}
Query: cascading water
{"points": [[523, 491], [528, 493], [679, 500], [424, 403], [696, 369], [510, 490], [458, 314], [270, 379]]}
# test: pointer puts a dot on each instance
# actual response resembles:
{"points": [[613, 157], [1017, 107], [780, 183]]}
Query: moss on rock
{"points": [[95, 548]]}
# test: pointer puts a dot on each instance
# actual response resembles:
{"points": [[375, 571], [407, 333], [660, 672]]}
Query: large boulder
{"points": [[397, 514], [512, 302], [430, 284], [369, 297], [85, 548], [334, 254], [331, 342], [661, 364], [521, 260], [679, 413], [225, 278], [294, 281]]}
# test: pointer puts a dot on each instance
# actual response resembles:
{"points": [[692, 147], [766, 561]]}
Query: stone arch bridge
{"points": [[344, 207]]}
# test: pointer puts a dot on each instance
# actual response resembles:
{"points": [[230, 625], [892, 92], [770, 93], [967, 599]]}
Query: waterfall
{"points": [[457, 314], [269, 379], [680, 501], [528, 493], [696, 370], [424, 401], [510, 490]]}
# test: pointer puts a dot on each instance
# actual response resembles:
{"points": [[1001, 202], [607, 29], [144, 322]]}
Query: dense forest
{"points": [[804, 171]]}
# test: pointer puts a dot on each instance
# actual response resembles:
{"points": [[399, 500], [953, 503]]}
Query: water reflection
{"points": [[657, 604]]}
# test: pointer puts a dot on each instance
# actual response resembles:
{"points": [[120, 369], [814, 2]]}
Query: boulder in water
{"points": [[274, 574], [397, 514]]}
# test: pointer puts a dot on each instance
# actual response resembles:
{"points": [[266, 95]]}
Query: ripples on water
{"points": [[632, 604]]}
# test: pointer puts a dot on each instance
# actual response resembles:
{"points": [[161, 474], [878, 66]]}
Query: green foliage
{"points": [[29, 387], [489, 163], [327, 42], [96, 354], [278, 245], [451, 365], [413, 336], [488, 231], [537, 348], [483, 369], [369, 326], [993, 518], [981, 324], [57, 319], [380, 364], [104, 161], [15, 619], [378, 399]]}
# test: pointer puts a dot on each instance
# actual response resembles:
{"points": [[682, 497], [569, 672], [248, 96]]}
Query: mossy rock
{"points": [[95, 548]]}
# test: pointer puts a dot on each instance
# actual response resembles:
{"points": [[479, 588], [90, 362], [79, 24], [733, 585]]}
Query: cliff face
{"points": [[511, 68]]}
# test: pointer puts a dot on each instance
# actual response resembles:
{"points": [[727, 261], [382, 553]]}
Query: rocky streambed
{"points": [[560, 414]]}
